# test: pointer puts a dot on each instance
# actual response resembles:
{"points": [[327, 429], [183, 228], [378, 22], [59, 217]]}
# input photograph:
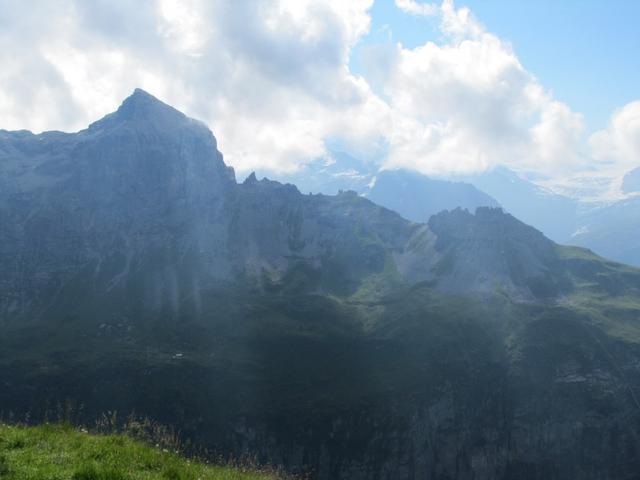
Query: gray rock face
{"points": [[140, 209], [98, 205], [490, 252]]}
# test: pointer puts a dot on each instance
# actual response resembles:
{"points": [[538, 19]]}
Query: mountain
{"points": [[610, 231], [414, 196], [418, 197], [94, 209], [529, 202], [339, 171], [613, 231], [323, 333]]}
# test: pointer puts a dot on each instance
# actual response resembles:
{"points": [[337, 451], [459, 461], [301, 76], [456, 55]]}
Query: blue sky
{"points": [[587, 52]]}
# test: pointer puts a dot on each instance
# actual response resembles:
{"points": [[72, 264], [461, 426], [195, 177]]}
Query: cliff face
{"points": [[324, 333], [140, 209], [95, 207], [143, 200]]}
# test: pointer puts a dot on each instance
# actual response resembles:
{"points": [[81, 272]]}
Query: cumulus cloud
{"points": [[619, 144], [456, 22], [468, 104]]}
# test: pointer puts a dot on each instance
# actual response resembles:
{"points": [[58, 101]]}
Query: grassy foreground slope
{"points": [[58, 452]]}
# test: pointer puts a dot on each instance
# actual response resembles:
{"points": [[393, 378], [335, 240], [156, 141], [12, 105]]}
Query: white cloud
{"points": [[459, 22], [619, 144], [415, 8], [456, 22], [557, 137], [468, 104]]}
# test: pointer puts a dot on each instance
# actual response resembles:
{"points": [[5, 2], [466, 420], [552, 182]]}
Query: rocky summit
{"points": [[325, 334]]}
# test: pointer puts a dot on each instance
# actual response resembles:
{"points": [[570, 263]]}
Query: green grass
{"points": [[60, 452], [617, 316]]}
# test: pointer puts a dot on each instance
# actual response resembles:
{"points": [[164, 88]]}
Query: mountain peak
{"points": [[142, 105], [251, 179], [140, 97], [144, 110], [140, 92]]}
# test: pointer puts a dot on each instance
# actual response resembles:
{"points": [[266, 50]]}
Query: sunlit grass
{"points": [[60, 452]]}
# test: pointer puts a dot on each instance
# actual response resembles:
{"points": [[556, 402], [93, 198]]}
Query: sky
{"points": [[585, 51], [550, 89]]}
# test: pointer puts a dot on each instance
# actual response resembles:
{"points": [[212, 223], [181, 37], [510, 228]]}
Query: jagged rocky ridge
{"points": [[324, 333], [414, 196], [142, 199]]}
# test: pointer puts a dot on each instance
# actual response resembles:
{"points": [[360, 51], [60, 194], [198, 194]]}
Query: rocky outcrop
{"points": [[140, 210]]}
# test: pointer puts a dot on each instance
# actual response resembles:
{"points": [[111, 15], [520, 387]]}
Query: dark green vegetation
{"points": [[411, 384], [322, 333], [59, 452]]}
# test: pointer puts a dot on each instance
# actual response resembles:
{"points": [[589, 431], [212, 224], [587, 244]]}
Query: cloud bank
{"points": [[272, 79]]}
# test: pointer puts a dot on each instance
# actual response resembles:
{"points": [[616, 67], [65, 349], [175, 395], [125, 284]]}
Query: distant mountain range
{"points": [[417, 197], [609, 230], [414, 196], [323, 333], [555, 215], [612, 231]]}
